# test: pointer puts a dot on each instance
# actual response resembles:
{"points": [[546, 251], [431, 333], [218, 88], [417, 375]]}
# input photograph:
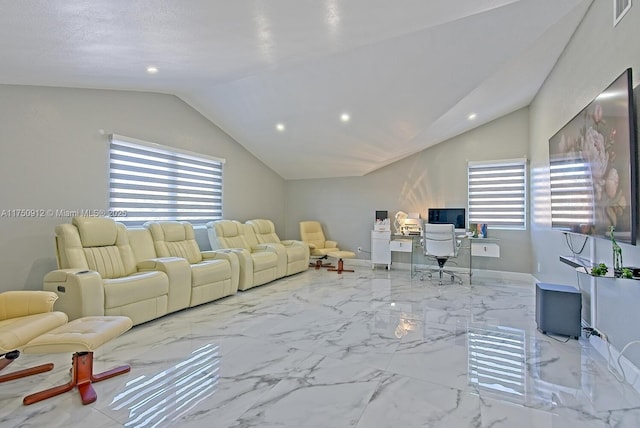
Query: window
{"points": [[152, 182], [498, 193]]}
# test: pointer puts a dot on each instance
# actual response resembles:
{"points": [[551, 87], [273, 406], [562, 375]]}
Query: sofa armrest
{"points": [[245, 263], [21, 303], [80, 292], [178, 270], [330, 244], [311, 246], [232, 258], [279, 250]]}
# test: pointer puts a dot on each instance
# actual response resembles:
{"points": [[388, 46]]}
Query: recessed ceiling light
{"points": [[472, 116], [345, 117], [152, 69], [280, 127]]}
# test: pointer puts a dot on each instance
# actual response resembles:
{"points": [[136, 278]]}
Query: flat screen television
{"points": [[592, 162], [455, 216]]}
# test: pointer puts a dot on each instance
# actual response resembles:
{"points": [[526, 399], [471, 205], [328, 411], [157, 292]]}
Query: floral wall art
{"points": [[592, 167]]}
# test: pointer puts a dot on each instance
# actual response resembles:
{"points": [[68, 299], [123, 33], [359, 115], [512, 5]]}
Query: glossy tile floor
{"points": [[365, 349]]}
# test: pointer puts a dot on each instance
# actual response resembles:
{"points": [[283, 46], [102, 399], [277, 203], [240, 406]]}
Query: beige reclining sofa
{"points": [[296, 252], [106, 269], [259, 263]]}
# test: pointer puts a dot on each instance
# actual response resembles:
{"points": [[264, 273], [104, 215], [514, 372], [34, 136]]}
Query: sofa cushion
{"points": [[173, 231], [265, 231], [264, 260], [96, 231], [134, 288], [15, 332], [175, 239], [210, 271], [106, 260]]}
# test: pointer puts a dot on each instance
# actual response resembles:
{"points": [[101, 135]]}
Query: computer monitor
{"points": [[455, 216]]}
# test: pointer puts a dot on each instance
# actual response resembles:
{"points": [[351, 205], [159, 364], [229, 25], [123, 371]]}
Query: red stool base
{"points": [[341, 268], [318, 264], [82, 376]]}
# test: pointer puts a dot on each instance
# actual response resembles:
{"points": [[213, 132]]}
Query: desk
{"points": [[476, 247]]}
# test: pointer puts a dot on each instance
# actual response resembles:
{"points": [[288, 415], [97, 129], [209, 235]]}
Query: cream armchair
{"points": [[25, 315], [297, 252], [311, 234], [259, 263], [99, 275], [214, 274]]}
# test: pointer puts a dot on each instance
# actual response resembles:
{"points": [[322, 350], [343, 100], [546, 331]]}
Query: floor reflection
{"points": [[170, 394], [497, 361]]}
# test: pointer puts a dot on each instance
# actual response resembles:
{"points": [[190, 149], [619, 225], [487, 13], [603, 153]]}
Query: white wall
{"points": [[595, 56], [52, 156], [435, 177]]}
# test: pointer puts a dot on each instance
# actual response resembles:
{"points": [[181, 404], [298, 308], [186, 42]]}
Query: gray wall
{"points": [[52, 156], [435, 177], [595, 56]]}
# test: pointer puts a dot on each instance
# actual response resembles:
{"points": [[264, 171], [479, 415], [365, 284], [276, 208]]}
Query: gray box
{"points": [[558, 309]]}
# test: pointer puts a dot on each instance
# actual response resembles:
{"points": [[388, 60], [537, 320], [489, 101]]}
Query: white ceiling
{"points": [[408, 73]]}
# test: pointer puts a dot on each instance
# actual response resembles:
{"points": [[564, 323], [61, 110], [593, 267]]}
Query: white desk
{"points": [[476, 247]]}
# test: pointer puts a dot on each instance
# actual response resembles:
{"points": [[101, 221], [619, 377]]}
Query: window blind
{"points": [[152, 182], [497, 193]]}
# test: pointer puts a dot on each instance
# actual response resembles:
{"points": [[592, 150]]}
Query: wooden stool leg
{"points": [[319, 264], [82, 377], [11, 357], [341, 268]]}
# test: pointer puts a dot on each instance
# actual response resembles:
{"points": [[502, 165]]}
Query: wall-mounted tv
{"points": [[592, 163]]}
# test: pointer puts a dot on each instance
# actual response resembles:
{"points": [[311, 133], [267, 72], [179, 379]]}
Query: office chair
{"points": [[440, 243]]}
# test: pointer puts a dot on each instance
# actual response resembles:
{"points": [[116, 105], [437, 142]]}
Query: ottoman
{"points": [[341, 255], [558, 309], [81, 336]]}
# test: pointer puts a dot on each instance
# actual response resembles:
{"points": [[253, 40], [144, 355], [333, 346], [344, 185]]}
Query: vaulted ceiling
{"points": [[408, 74]]}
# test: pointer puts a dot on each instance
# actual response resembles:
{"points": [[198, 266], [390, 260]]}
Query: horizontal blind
{"points": [[498, 194], [153, 182], [572, 198]]}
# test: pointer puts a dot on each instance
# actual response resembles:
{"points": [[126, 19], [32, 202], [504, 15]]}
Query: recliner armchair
{"points": [[296, 251], [441, 243], [214, 274], [319, 246], [99, 274], [25, 315], [259, 263]]}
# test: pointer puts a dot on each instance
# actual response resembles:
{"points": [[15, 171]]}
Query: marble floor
{"points": [[366, 349]]}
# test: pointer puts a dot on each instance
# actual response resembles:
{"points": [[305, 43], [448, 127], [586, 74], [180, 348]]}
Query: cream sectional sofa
{"points": [[145, 273], [214, 274], [296, 252], [259, 263], [107, 269], [262, 255]]}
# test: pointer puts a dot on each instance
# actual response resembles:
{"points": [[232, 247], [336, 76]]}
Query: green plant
{"points": [[599, 270], [627, 273], [617, 252]]}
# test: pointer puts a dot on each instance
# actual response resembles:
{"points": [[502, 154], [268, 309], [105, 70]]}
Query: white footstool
{"points": [[81, 336], [341, 255]]}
